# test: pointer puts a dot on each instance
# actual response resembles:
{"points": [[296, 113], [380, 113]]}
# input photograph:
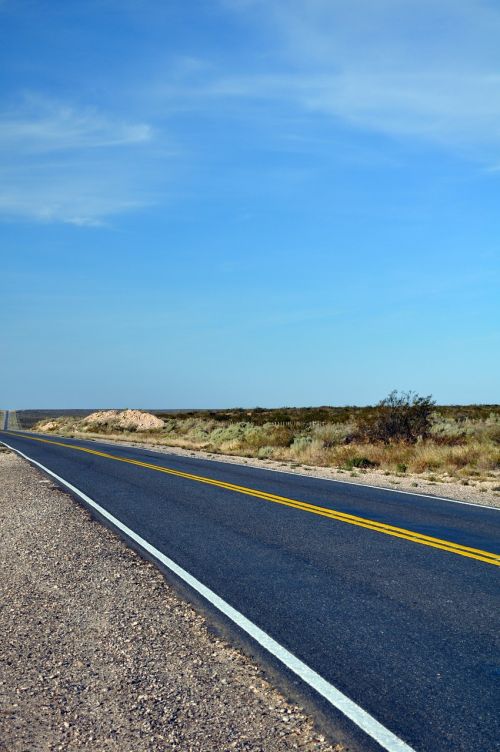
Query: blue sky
{"points": [[239, 202]]}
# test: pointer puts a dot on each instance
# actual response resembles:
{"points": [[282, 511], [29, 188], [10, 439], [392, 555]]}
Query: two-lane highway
{"points": [[389, 599]]}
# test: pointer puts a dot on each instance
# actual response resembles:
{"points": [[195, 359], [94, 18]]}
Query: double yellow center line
{"points": [[351, 519]]}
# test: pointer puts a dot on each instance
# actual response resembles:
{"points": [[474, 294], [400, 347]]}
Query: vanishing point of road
{"points": [[381, 607]]}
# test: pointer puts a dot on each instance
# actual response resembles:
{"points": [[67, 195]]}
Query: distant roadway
{"points": [[383, 607]]}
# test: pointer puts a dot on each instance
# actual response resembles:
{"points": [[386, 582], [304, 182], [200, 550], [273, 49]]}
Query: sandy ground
{"points": [[475, 492], [100, 653]]}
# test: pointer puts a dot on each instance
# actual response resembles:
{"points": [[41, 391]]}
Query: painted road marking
{"points": [[379, 527], [334, 696]]}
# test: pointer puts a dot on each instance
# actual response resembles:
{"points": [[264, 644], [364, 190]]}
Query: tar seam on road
{"points": [[361, 718], [378, 527]]}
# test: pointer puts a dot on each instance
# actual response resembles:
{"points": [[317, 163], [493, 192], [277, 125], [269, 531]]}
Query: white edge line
{"points": [[428, 497], [335, 697]]}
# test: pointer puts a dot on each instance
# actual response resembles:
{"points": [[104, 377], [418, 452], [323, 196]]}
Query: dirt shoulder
{"points": [[483, 492], [100, 653]]}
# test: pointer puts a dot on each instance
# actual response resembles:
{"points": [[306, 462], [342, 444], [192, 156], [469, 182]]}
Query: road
{"points": [[11, 421], [392, 599]]}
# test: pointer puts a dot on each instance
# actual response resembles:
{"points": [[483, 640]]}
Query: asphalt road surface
{"points": [[392, 599]]}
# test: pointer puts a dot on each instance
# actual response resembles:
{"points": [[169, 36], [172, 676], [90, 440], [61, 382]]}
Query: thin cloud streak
{"points": [[429, 70], [431, 106], [66, 129], [62, 164]]}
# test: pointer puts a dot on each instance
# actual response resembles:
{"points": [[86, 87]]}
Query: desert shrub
{"points": [[401, 467], [280, 437], [332, 434], [231, 432], [170, 426], [255, 438], [359, 462], [264, 452], [448, 431], [401, 416], [493, 433], [300, 443], [306, 450], [268, 436]]}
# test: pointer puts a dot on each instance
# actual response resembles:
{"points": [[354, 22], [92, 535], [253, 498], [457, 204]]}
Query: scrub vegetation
{"points": [[405, 433]]}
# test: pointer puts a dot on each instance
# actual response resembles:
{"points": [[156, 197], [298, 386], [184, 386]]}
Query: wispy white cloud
{"points": [[59, 194], [45, 126], [79, 166], [422, 69], [429, 69], [445, 107]]}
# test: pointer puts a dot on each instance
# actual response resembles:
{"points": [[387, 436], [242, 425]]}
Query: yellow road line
{"points": [[351, 519]]}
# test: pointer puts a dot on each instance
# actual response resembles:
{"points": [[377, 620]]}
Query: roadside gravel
{"points": [[100, 653]]}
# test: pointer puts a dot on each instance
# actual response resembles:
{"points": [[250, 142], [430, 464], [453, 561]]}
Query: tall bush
{"points": [[401, 416]]}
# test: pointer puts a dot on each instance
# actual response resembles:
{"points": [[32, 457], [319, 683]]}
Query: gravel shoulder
{"points": [[100, 653], [482, 492]]}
